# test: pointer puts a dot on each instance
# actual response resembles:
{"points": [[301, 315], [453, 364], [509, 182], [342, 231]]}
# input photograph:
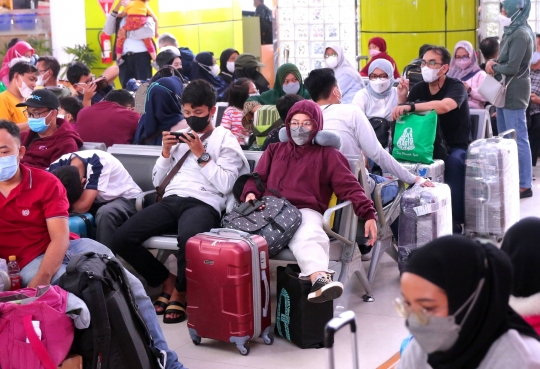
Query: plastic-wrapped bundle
{"points": [[434, 171], [491, 187], [426, 214]]}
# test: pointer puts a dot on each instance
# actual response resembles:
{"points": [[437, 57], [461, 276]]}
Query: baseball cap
{"points": [[247, 61], [165, 58], [42, 98]]}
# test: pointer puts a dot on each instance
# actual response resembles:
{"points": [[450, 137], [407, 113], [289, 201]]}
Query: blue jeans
{"points": [[515, 119], [389, 192], [454, 176], [145, 305]]}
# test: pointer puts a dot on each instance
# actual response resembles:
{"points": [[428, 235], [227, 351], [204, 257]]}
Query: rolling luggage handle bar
{"points": [[333, 326], [511, 132]]}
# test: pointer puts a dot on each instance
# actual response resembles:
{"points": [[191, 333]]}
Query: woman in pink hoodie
{"points": [[307, 174], [521, 243]]}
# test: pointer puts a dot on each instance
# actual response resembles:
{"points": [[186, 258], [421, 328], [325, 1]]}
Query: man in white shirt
{"points": [[193, 200], [98, 183]]}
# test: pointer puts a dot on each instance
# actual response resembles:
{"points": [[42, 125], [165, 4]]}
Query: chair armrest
{"points": [[139, 202], [326, 222], [378, 198]]}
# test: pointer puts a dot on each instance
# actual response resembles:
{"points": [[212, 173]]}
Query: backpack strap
{"points": [[36, 344], [72, 265], [100, 321]]}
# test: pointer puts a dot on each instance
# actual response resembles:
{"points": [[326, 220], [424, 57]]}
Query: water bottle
{"points": [[14, 272]]}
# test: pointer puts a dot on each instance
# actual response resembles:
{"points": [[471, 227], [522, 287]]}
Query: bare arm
{"points": [[440, 106], [85, 202], [59, 233]]}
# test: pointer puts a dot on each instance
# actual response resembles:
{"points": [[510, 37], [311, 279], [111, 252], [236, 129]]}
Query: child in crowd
{"points": [[69, 108], [239, 92], [136, 12]]}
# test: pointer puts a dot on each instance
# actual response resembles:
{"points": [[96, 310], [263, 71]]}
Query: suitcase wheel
{"points": [[368, 298], [196, 341], [268, 339], [244, 350]]}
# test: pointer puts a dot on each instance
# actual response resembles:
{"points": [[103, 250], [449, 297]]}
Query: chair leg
{"points": [[379, 249], [163, 255], [358, 268]]}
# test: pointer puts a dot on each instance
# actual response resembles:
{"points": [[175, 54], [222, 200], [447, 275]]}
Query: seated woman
{"points": [[307, 174], [21, 51], [521, 244], [455, 299], [464, 66], [380, 97], [205, 68], [226, 65], [377, 50], [239, 92], [350, 82], [162, 111]]}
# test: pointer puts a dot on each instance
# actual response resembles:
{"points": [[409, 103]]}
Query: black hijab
{"points": [[253, 74], [522, 244], [457, 264], [225, 74], [201, 70]]}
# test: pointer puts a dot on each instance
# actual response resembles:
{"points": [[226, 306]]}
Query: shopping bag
{"points": [[414, 137]]}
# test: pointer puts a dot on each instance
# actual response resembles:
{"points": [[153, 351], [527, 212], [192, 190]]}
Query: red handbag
{"points": [[23, 348]]}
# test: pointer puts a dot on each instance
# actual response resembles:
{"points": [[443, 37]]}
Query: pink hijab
{"points": [[16, 51]]}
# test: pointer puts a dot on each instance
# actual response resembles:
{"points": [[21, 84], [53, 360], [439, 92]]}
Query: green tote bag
{"points": [[414, 137]]}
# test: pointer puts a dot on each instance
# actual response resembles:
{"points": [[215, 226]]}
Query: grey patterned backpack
{"points": [[276, 223]]}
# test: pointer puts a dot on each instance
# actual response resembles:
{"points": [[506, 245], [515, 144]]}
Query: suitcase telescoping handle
{"points": [[334, 325], [511, 132], [219, 231]]}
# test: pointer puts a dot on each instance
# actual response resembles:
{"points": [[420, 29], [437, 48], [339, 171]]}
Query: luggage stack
{"points": [[434, 172], [426, 214], [492, 187], [228, 288]]}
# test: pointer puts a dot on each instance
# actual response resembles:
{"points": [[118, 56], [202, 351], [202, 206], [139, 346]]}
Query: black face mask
{"points": [[198, 124]]}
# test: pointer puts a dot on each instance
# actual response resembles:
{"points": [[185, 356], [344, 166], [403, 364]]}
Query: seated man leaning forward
{"points": [[98, 183], [34, 227], [307, 174], [193, 200]]}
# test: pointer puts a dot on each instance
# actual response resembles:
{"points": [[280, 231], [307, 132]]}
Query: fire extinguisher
{"points": [[105, 45]]}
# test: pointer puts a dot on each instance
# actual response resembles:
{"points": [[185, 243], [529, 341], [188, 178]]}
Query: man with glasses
{"points": [[49, 137], [89, 89], [448, 97], [48, 69], [22, 81]]}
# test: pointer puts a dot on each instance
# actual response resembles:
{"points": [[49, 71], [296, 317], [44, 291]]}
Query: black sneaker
{"points": [[324, 289], [527, 193]]}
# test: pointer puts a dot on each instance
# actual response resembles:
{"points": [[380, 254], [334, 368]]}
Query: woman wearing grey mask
{"points": [[455, 295]]}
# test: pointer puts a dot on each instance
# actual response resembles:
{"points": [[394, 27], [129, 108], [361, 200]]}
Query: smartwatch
{"points": [[205, 157]]}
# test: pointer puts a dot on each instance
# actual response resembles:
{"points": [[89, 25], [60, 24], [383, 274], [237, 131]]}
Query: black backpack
{"points": [[118, 337], [413, 72], [381, 126]]}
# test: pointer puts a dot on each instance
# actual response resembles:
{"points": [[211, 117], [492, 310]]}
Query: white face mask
{"points": [[331, 62], [61, 116], [230, 67], [504, 21], [24, 89], [373, 52], [430, 75], [41, 81], [379, 86], [214, 69]]}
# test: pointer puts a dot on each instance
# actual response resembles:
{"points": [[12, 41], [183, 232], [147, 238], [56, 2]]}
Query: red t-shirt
{"points": [[23, 214], [107, 122]]}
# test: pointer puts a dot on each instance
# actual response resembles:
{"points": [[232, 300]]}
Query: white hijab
{"points": [[344, 68]]}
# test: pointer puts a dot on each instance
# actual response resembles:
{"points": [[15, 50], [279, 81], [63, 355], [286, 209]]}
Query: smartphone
{"points": [[183, 134], [101, 83]]}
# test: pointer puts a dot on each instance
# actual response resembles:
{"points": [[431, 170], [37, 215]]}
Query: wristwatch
{"points": [[411, 104], [204, 158]]}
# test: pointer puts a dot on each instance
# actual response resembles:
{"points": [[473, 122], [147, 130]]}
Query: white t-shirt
{"points": [[373, 107], [104, 173]]}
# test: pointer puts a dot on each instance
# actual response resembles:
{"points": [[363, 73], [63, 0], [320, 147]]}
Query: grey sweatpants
{"points": [[110, 216]]}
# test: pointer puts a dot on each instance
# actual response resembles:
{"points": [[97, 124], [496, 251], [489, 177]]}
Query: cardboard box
{"points": [[72, 362]]}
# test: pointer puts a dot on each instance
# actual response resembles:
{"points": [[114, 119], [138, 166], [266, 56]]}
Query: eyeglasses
{"points": [[382, 77], [464, 58], [431, 63], [294, 124], [405, 311], [28, 114], [327, 56]]}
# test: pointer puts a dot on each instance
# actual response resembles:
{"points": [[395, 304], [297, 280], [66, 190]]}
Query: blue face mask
{"points": [[291, 88], [38, 125], [8, 167]]}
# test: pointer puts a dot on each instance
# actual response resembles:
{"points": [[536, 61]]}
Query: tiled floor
{"points": [[380, 328]]}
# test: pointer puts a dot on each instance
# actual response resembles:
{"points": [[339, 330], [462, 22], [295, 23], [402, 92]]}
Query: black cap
{"points": [[165, 58], [42, 98]]}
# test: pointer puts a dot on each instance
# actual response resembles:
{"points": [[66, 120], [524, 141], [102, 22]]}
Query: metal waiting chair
{"points": [[93, 146]]}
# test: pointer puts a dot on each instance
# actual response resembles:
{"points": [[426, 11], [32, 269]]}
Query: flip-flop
{"points": [[162, 302], [175, 307]]}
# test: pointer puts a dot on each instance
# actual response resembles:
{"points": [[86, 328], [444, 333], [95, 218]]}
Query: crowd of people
{"points": [[44, 123]]}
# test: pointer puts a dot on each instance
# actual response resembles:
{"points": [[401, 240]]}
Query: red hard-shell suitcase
{"points": [[228, 287]]}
